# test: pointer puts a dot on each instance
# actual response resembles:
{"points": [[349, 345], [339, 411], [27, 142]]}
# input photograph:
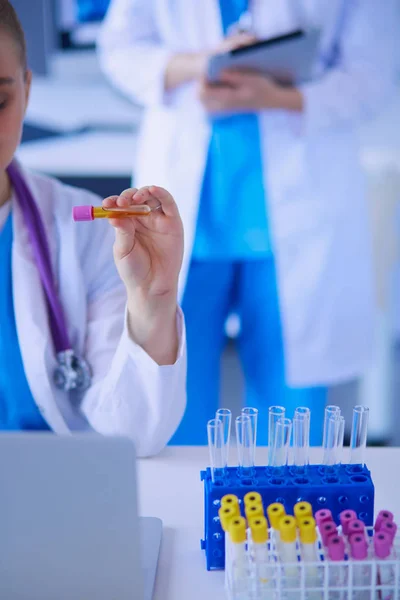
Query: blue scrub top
{"points": [[232, 220], [18, 410], [91, 10]]}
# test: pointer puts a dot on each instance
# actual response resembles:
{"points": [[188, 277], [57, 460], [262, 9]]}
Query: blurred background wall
{"points": [[82, 131]]}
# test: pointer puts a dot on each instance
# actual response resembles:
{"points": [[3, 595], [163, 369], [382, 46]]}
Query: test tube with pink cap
{"points": [[337, 572], [361, 580], [383, 551]]}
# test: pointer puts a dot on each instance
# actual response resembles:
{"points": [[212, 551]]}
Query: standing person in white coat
{"points": [[268, 182], [86, 343]]}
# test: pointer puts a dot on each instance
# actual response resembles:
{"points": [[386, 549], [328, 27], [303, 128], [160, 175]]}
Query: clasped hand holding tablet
{"points": [[245, 90]]}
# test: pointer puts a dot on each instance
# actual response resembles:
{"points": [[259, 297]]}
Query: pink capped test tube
{"points": [[346, 517], [356, 527], [383, 515], [323, 516], [327, 531]]}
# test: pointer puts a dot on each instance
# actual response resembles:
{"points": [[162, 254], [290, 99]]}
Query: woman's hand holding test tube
{"points": [[148, 253]]}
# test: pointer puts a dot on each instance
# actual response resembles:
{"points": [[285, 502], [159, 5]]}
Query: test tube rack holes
{"points": [[337, 489]]}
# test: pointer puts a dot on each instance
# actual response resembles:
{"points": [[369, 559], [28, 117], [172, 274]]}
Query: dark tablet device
{"points": [[287, 58]]}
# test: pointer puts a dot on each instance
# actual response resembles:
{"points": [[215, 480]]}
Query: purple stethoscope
{"points": [[72, 372]]}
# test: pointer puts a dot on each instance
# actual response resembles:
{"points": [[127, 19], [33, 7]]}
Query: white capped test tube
{"points": [[252, 413], [283, 431], [225, 416], [275, 413], [216, 447], [301, 438], [359, 430], [245, 442]]}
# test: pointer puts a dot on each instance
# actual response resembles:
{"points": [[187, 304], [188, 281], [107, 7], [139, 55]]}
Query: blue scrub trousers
{"points": [[214, 290]]}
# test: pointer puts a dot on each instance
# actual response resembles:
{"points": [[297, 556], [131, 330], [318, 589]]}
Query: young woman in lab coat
{"points": [[121, 316], [269, 185]]}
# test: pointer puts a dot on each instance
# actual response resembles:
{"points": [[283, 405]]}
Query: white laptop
{"points": [[69, 527]]}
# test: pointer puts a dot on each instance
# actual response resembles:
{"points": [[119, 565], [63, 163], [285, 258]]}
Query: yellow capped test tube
{"points": [[226, 514], [230, 500], [275, 512], [308, 530], [287, 544], [259, 530], [288, 529], [237, 530], [252, 497], [301, 510], [259, 536], [254, 510], [308, 538], [237, 551]]}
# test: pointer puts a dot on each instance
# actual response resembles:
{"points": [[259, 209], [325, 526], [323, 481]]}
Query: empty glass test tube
{"points": [[301, 438], [252, 413], [330, 411], [331, 440], [225, 416], [245, 443], [283, 431], [359, 430], [275, 413], [216, 447], [340, 440]]}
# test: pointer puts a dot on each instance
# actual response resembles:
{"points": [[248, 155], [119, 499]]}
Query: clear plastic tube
{"points": [[340, 440], [244, 440], [252, 413], [275, 413], [225, 416], [331, 440], [329, 412], [301, 438], [216, 447], [283, 431], [302, 411], [359, 430]]}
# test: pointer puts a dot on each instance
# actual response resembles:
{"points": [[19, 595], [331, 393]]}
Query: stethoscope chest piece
{"points": [[72, 372]]}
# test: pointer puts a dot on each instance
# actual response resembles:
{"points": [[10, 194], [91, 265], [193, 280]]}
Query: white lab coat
{"points": [[315, 188], [130, 394]]}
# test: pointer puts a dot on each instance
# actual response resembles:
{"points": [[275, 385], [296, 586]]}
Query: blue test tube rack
{"points": [[335, 488]]}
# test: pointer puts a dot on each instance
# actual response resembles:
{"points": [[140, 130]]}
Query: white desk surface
{"points": [[170, 488]]}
